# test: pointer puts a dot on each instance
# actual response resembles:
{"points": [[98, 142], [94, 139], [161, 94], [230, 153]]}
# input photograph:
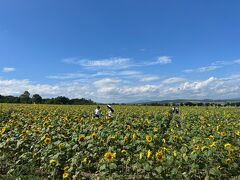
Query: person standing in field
{"points": [[110, 111], [175, 114], [97, 112]]}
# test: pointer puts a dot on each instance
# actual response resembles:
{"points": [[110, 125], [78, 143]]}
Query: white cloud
{"points": [[149, 78], [202, 69], [215, 65], [67, 76], [227, 63], [115, 62], [197, 85], [208, 68], [116, 90], [17, 87], [8, 69], [161, 60], [173, 80], [164, 60], [107, 82], [128, 73]]}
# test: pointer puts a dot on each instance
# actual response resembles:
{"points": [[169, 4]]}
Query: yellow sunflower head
{"points": [[134, 136], [159, 156], [148, 138], [175, 153], [203, 148], [222, 134], [81, 138], [128, 127], [66, 168], [237, 133], [155, 137], [66, 175], [124, 151], [3, 131], [94, 135], [230, 152], [60, 145], [108, 156], [195, 147], [213, 144], [47, 140], [148, 154], [53, 162], [126, 139], [46, 136], [227, 145]]}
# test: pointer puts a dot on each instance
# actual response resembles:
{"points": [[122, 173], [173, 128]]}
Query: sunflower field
{"points": [[138, 142]]}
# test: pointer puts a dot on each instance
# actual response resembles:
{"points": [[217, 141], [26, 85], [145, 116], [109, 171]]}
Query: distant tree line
{"points": [[194, 104], [25, 98]]}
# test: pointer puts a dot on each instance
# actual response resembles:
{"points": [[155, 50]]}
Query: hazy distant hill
{"points": [[187, 100]]}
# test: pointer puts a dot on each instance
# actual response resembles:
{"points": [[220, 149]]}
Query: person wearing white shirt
{"points": [[110, 111], [97, 112]]}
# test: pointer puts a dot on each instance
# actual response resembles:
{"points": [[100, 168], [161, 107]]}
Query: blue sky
{"points": [[120, 51]]}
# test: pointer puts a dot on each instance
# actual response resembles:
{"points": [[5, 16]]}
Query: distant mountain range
{"points": [[175, 101]]}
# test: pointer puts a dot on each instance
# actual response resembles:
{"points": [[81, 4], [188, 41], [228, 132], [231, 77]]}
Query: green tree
{"points": [[25, 97], [36, 99]]}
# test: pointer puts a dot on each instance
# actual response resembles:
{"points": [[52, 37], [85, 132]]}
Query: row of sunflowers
{"points": [[138, 142]]}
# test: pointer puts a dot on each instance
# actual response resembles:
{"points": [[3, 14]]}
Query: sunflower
{"points": [[47, 140], [230, 152], [126, 139], [222, 134], [175, 153], [134, 136], [159, 156], [148, 138], [227, 145], [85, 160], [53, 162], [124, 151], [81, 138], [46, 136], [66, 175], [140, 156], [94, 135], [213, 144], [128, 127], [175, 138], [45, 124], [211, 138], [50, 126], [148, 154], [102, 141], [227, 161], [195, 147], [66, 168], [237, 133], [60, 145], [108, 156], [203, 148], [3, 131]]}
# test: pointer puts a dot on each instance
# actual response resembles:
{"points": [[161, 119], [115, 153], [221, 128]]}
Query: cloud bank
{"points": [[115, 90]]}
